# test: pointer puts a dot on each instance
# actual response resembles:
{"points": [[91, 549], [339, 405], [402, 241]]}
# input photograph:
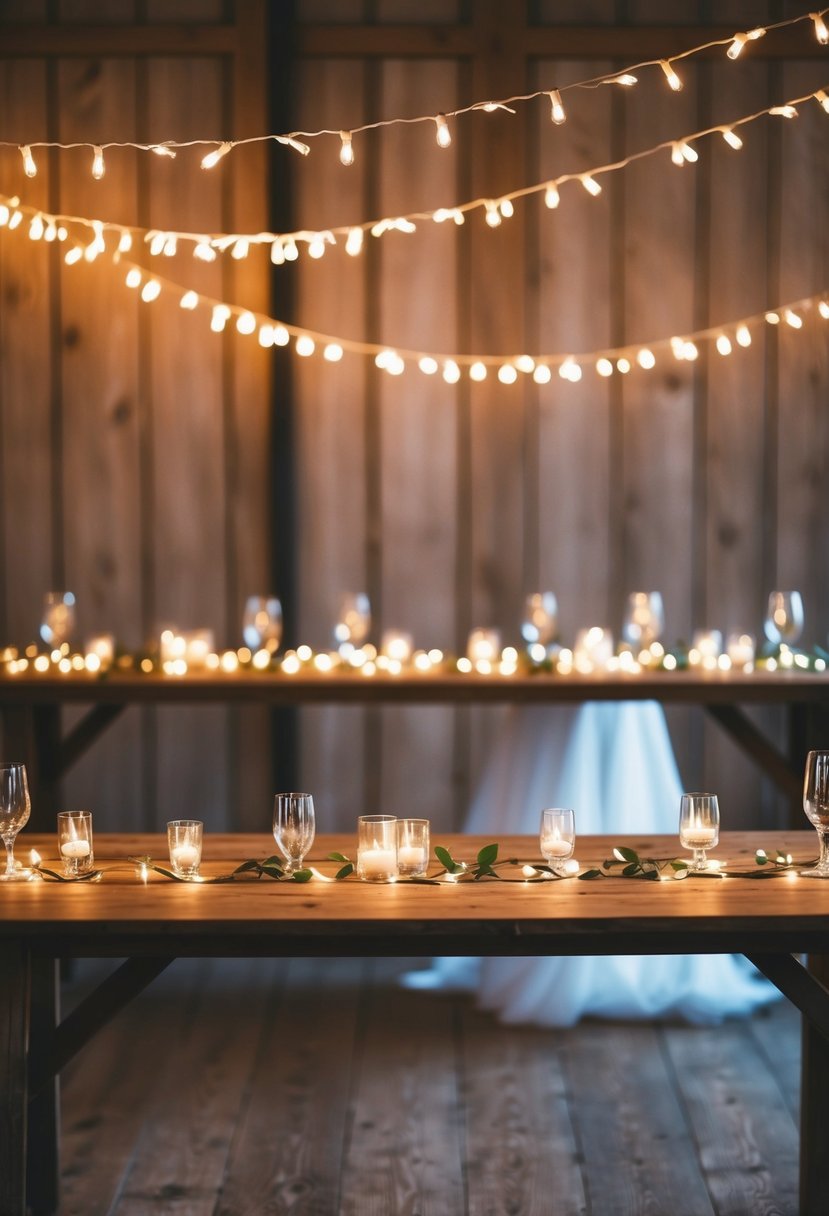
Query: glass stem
{"points": [[9, 843], [823, 837], [699, 862]]}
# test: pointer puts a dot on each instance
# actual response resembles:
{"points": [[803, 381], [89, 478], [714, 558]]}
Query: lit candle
{"points": [[378, 864], [397, 645], [740, 648], [75, 849], [555, 847], [593, 647], [198, 644], [185, 856], [483, 645], [698, 837], [102, 647], [411, 857]]}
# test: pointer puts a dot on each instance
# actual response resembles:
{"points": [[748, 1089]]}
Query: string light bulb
{"points": [[163, 150], [150, 291], [737, 45], [793, 319], [29, 166], [787, 111], [305, 345], [73, 255], [333, 352], [507, 374], [98, 168], [125, 242], [246, 323], [820, 96], [732, 138], [133, 278], [216, 155], [346, 149], [451, 372], [590, 184], [604, 367], [354, 242], [557, 108], [443, 136], [493, 215], [670, 75], [478, 372], [823, 309], [428, 365], [552, 198], [821, 32], [542, 374], [570, 370], [743, 335], [724, 344], [219, 317], [623, 365], [646, 359], [627, 80], [189, 301]]}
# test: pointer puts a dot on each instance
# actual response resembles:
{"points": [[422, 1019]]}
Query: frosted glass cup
{"points": [[699, 826], [75, 842], [184, 840], [557, 836]]}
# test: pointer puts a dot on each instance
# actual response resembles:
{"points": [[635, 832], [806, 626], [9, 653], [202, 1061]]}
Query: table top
{"points": [[123, 914], [344, 686]]}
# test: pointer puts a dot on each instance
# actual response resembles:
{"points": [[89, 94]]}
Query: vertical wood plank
{"points": [[14, 1034]]}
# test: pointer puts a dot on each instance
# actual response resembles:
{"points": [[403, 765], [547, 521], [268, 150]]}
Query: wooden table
{"points": [[31, 705], [770, 921]]}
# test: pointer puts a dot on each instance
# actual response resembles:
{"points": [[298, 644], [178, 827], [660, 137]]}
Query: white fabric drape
{"points": [[614, 764]]}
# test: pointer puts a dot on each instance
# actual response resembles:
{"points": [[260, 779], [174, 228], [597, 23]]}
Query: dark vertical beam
{"points": [[814, 1104], [282, 463], [617, 522], [14, 1046], [43, 1145]]}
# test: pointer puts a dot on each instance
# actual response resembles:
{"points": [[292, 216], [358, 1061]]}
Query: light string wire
{"points": [[273, 332], [284, 246], [296, 139]]}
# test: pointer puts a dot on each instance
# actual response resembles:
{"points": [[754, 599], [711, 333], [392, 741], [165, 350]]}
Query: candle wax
{"points": [[185, 856], [378, 862], [699, 838], [75, 849], [411, 856], [553, 847]]}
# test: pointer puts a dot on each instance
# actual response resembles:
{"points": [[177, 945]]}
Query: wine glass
{"points": [[784, 618], [262, 622], [15, 807], [58, 618], [293, 827], [699, 826], [540, 620], [816, 806], [557, 836], [354, 620], [644, 620]]}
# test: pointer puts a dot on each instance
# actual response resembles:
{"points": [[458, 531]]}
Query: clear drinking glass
{"points": [[540, 621], [784, 618], [413, 847], [557, 836], [262, 622], [293, 827], [354, 619], [184, 840], [58, 620], [15, 808], [377, 848], [816, 806], [699, 826], [644, 620], [75, 842]]}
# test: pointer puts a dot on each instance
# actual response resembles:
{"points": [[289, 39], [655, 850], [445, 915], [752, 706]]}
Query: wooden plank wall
{"points": [[134, 445], [133, 441], [703, 480]]}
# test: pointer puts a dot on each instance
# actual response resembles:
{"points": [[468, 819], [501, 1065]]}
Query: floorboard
{"points": [[321, 1088]]}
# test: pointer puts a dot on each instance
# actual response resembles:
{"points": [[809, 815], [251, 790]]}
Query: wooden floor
{"points": [[249, 1087]]}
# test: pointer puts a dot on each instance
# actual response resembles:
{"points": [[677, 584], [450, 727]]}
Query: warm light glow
{"points": [[570, 370], [316, 247], [690, 351], [604, 367], [290, 250], [333, 352], [240, 249], [493, 215], [590, 184], [732, 138], [623, 365], [783, 111], [477, 371], [74, 255], [823, 309], [346, 149], [821, 32], [627, 79], [724, 344], [98, 169], [189, 300], [451, 372], [443, 135], [281, 336], [506, 208], [305, 345], [29, 166], [507, 374], [552, 198], [246, 323], [646, 359], [216, 155], [151, 290], [36, 228], [743, 336], [265, 336], [428, 365], [823, 99], [219, 317], [204, 252], [670, 75], [163, 150], [542, 374], [556, 108], [793, 319], [772, 317]]}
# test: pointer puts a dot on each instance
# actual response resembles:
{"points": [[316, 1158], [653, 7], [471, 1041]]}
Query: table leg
{"points": [[15, 962], [814, 1107], [43, 1154]]}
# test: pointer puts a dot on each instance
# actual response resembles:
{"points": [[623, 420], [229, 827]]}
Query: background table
{"points": [[31, 707], [768, 920]]}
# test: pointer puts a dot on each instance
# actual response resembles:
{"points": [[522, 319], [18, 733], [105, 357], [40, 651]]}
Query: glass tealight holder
{"points": [[75, 842], [699, 826], [557, 836], [377, 848], [184, 840], [412, 847], [58, 620]]}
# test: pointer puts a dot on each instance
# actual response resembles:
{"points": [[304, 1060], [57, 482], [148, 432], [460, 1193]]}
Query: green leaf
{"points": [[302, 876], [487, 855], [247, 866], [652, 874], [679, 865], [588, 874], [631, 869], [760, 857], [347, 869], [273, 871], [337, 857], [627, 854], [446, 860]]}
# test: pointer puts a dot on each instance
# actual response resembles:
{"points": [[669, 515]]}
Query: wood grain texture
{"points": [[14, 1020]]}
